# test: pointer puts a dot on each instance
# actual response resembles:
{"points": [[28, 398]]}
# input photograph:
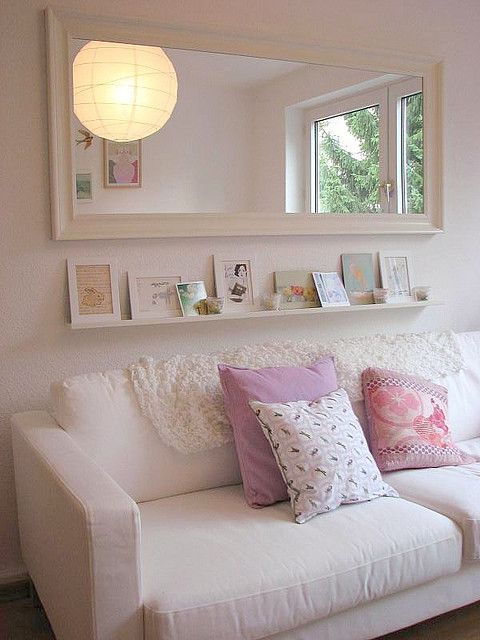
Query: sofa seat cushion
{"points": [[214, 568], [451, 491]]}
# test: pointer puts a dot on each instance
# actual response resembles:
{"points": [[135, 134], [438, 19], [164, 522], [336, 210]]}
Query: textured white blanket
{"points": [[183, 399]]}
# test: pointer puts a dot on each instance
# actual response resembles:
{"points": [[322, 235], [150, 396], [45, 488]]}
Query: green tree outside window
{"points": [[349, 181]]}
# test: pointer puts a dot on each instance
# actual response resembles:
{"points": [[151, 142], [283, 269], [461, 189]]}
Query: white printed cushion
{"points": [[322, 453]]}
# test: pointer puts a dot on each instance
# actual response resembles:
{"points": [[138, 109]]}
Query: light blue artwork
{"points": [[358, 272]]}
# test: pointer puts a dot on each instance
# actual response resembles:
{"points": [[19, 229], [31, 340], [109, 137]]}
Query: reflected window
{"points": [[367, 152], [412, 153], [347, 170]]}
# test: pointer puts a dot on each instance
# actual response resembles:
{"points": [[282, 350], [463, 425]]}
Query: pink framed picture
{"points": [[122, 163]]}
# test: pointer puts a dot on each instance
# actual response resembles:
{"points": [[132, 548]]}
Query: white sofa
{"points": [[127, 539]]}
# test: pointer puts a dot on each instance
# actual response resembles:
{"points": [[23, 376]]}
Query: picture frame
{"points": [[189, 293], [122, 164], [153, 296], [396, 273], [297, 289], [93, 290], [235, 281], [358, 277], [330, 289], [83, 187]]}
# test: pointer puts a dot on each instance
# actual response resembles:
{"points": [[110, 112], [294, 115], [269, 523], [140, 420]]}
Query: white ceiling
{"points": [[234, 70]]}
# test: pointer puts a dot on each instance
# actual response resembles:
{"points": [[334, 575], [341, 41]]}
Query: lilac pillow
{"points": [[262, 481]]}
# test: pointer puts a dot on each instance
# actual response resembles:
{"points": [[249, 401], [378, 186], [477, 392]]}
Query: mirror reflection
{"points": [[256, 135]]}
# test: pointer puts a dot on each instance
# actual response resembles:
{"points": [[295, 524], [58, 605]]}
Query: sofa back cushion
{"points": [[464, 390], [100, 411]]}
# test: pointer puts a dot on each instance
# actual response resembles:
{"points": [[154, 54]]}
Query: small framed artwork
{"points": [[83, 187], [296, 288], [330, 289], [234, 281], [122, 163], [189, 293], [397, 274], [153, 296], [358, 277], [93, 291]]}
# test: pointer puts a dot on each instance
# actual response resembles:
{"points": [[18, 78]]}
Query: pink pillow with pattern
{"points": [[407, 419]]}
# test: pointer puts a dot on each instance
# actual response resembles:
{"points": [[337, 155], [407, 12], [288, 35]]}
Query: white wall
{"points": [[36, 346]]}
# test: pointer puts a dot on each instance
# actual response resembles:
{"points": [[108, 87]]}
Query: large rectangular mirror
{"points": [[265, 139]]}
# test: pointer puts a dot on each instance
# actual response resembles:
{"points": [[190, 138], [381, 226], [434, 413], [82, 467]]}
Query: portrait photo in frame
{"points": [[122, 164], [396, 272], [234, 281], [93, 291], [153, 296]]}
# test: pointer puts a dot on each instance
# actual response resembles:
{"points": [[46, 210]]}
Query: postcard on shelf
{"points": [[358, 277], [189, 295], [234, 281], [153, 296], [93, 291], [330, 289], [297, 289], [397, 274]]}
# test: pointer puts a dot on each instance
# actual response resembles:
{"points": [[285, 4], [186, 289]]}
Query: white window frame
{"points": [[335, 108], [388, 98], [396, 92]]}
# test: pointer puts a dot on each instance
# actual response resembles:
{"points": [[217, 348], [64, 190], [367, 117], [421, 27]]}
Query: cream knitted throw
{"points": [[183, 399]]}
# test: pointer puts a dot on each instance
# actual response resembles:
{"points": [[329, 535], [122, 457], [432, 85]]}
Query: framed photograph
{"points": [[83, 187], [189, 293], [297, 289], [397, 274], [153, 296], [358, 277], [122, 163], [330, 289], [93, 291], [234, 281]]}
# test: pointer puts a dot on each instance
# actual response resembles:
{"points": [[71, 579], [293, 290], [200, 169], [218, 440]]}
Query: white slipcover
{"points": [[208, 566], [452, 491], [80, 535], [212, 567], [464, 390], [100, 411]]}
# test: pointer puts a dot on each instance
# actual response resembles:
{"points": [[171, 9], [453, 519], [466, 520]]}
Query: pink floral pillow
{"points": [[407, 418]]}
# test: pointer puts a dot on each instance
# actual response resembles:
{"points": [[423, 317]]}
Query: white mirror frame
{"points": [[62, 27]]}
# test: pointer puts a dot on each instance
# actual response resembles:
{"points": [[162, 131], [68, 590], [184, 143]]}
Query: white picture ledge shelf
{"points": [[223, 317]]}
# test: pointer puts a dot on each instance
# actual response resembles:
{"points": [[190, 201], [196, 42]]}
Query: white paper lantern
{"points": [[123, 92]]}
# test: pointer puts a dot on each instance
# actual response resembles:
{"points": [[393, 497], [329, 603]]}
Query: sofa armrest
{"points": [[80, 535]]}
